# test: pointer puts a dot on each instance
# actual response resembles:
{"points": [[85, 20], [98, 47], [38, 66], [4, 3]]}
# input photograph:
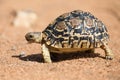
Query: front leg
{"points": [[46, 54], [107, 50]]}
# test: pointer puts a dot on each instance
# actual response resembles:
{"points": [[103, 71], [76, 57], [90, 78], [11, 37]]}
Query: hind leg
{"points": [[108, 53]]}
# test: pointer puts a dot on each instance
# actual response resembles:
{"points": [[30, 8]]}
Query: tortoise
{"points": [[74, 31]]}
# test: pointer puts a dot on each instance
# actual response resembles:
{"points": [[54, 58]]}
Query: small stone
{"points": [[24, 18], [13, 48], [22, 54]]}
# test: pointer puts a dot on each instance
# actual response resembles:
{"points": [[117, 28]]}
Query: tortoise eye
{"points": [[30, 36]]}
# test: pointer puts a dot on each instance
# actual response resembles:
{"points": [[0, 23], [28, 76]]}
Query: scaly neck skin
{"points": [[39, 39]]}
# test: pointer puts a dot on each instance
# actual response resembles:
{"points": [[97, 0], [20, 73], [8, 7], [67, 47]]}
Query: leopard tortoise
{"points": [[71, 32]]}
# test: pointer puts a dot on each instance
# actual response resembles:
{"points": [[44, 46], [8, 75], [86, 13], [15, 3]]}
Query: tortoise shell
{"points": [[76, 29]]}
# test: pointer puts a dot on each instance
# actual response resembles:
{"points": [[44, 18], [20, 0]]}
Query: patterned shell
{"points": [[76, 29]]}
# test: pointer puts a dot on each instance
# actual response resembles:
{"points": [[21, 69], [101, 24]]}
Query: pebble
{"points": [[22, 54], [24, 18], [13, 48]]}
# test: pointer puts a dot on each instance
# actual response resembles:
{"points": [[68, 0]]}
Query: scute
{"points": [[76, 29]]}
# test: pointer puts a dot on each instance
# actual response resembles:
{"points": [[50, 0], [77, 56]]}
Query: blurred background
{"points": [[12, 41], [108, 11]]}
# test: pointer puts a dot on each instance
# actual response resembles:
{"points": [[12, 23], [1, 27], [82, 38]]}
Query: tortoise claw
{"points": [[109, 57]]}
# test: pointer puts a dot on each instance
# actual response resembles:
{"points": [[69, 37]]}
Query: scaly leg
{"points": [[46, 54], [108, 53]]}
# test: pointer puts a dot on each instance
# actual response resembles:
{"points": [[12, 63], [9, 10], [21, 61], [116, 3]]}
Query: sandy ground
{"points": [[66, 67]]}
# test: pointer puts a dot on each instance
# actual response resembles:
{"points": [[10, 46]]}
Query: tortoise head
{"points": [[34, 37]]}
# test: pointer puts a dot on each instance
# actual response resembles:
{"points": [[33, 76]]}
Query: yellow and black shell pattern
{"points": [[76, 29]]}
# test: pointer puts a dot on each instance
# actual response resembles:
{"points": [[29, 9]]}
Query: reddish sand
{"points": [[69, 67]]}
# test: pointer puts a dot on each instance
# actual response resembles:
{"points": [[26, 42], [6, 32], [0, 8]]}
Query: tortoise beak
{"points": [[29, 37]]}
